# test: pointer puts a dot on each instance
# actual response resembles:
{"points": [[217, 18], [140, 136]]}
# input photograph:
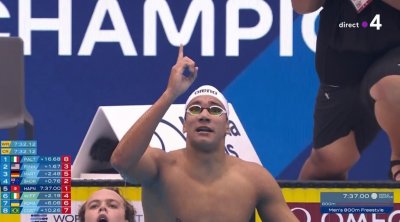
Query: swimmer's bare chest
{"points": [[180, 197]]}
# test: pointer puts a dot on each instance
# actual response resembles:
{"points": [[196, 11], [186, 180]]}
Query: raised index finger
{"points": [[180, 54]]}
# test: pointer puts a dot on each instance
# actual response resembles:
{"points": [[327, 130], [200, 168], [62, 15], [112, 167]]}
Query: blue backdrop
{"points": [[83, 54]]}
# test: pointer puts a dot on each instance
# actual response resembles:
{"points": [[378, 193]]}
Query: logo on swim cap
{"points": [[207, 90]]}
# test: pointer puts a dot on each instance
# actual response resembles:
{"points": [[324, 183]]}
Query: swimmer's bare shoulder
{"points": [[270, 202]]}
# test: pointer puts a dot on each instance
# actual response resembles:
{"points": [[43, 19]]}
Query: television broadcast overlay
{"points": [[305, 203], [357, 202], [344, 203], [32, 184]]}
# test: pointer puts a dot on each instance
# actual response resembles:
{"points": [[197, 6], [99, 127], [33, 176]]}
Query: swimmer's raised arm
{"points": [[132, 158]]}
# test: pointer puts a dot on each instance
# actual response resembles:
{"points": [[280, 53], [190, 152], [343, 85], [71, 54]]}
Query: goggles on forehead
{"points": [[212, 110]]}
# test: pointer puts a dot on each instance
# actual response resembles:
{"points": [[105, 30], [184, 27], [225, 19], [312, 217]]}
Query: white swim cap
{"points": [[207, 90]]}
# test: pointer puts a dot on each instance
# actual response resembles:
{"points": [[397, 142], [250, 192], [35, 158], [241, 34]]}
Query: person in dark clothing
{"points": [[358, 65]]}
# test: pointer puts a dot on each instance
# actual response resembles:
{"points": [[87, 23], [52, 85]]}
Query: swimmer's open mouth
{"points": [[102, 218], [204, 129]]}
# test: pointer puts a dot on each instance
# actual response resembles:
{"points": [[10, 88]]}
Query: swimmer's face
{"points": [[105, 206], [205, 128]]}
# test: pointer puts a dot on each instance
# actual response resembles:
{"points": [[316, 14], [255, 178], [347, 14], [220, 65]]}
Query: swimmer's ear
{"points": [[184, 127]]}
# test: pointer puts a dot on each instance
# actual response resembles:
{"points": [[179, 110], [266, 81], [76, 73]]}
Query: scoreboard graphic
{"points": [[32, 184]]}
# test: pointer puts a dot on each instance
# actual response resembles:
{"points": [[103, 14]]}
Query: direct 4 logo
{"points": [[375, 23]]}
